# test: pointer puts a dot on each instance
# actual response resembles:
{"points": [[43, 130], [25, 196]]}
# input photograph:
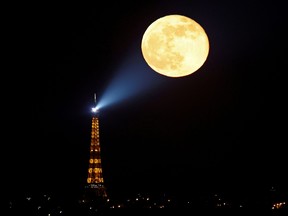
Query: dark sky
{"points": [[223, 128]]}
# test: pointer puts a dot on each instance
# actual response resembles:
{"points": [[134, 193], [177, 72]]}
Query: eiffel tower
{"points": [[95, 191]]}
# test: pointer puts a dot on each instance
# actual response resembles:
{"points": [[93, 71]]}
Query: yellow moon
{"points": [[175, 46]]}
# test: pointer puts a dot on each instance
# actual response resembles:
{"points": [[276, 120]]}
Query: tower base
{"points": [[95, 195]]}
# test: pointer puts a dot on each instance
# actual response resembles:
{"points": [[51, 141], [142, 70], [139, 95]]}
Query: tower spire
{"points": [[94, 109]]}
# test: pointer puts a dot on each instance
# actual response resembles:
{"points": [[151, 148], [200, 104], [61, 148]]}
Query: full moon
{"points": [[175, 46]]}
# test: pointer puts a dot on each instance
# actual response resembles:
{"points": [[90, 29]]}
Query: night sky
{"points": [[222, 128]]}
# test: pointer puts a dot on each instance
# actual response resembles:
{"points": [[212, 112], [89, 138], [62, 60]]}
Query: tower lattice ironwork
{"points": [[95, 182]]}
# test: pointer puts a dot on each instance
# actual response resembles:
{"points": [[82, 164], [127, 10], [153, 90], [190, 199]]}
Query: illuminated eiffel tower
{"points": [[95, 189]]}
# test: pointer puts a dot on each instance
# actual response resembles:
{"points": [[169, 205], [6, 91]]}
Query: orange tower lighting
{"points": [[95, 181]]}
